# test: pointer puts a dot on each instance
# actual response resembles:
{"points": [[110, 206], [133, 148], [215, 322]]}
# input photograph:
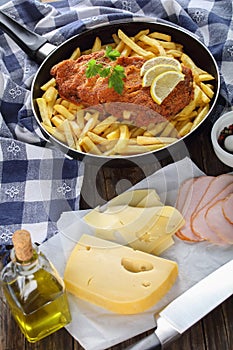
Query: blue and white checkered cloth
{"points": [[37, 183]]}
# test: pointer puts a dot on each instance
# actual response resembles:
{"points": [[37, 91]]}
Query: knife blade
{"points": [[189, 308]]}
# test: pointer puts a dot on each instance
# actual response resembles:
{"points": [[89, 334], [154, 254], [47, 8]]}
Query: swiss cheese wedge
{"points": [[150, 200], [116, 277], [139, 227], [136, 198]]}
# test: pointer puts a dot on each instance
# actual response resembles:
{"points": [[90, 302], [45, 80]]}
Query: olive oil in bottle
{"points": [[34, 290]]}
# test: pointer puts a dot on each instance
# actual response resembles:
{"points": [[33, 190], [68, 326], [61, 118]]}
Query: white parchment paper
{"points": [[98, 329]]}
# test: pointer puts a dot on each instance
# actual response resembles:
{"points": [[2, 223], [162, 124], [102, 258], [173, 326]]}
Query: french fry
{"points": [[129, 42], [174, 133], [186, 111], [120, 46], [201, 115], [93, 115], [154, 44], [158, 128], [137, 132], [65, 103], [123, 139], [174, 53], [160, 36], [64, 111], [205, 77], [114, 135], [77, 146], [97, 45], [73, 107], [142, 32], [184, 118], [91, 123], [75, 128], [80, 119], [116, 38], [86, 52], [50, 94], [167, 45], [96, 138], [76, 54], [108, 147], [207, 90], [68, 133], [102, 126], [42, 105], [135, 149], [167, 130], [147, 140], [197, 95], [126, 114], [51, 82], [57, 120], [155, 146], [89, 146], [54, 132], [188, 62], [205, 98], [111, 128], [126, 51], [185, 129]]}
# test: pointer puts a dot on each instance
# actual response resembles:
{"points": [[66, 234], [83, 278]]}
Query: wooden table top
{"points": [[214, 332]]}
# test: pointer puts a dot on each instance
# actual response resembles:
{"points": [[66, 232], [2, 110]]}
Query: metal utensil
{"points": [[189, 308]]}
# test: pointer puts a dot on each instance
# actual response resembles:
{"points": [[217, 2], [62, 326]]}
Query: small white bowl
{"points": [[224, 121]]}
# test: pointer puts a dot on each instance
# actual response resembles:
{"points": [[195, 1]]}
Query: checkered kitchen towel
{"points": [[37, 182]]}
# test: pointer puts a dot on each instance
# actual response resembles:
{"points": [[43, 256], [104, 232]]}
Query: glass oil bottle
{"points": [[34, 290]]}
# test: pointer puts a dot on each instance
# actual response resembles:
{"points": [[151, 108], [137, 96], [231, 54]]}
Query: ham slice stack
{"points": [[206, 203]]}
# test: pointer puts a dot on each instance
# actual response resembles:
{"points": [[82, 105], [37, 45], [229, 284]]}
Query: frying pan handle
{"points": [[34, 45]]}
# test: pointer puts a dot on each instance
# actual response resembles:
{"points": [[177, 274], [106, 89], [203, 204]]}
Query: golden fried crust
{"points": [[74, 86]]}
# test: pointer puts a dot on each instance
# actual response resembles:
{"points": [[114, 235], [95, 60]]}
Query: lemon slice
{"points": [[153, 72], [159, 60], [163, 85]]}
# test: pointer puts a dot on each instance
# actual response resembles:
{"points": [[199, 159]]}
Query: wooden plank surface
{"points": [[214, 332]]}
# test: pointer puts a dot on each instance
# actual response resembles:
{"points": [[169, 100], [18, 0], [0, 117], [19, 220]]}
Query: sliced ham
{"points": [[179, 235], [227, 208], [216, 186], [217, 222], [193, 194], [183, 193], [198, 221]]}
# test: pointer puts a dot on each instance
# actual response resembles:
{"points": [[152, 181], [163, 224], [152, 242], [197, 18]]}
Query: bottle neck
{"points": [[26, 266]]}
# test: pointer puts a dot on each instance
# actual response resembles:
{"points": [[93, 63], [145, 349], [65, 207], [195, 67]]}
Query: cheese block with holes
{"points": [[134, 198], [141, 228], [116, 277]]}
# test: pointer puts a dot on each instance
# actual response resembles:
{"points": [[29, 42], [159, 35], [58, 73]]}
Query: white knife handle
{"points": [[162, 336], [165, 332], [151, 342]]}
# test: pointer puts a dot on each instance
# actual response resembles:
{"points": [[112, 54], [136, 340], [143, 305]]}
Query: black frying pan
{"points": [[41, 51]]}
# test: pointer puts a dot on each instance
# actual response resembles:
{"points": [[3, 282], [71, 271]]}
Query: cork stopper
{"points": [[23, 245]]}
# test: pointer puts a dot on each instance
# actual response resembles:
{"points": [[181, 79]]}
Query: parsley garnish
{"points": [[115, 74], [111, 53]]}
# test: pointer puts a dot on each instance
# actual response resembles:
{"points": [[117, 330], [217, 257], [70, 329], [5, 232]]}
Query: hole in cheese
{"points": [[100, 276], [146, 284], [135, 265], [89, 280]]}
